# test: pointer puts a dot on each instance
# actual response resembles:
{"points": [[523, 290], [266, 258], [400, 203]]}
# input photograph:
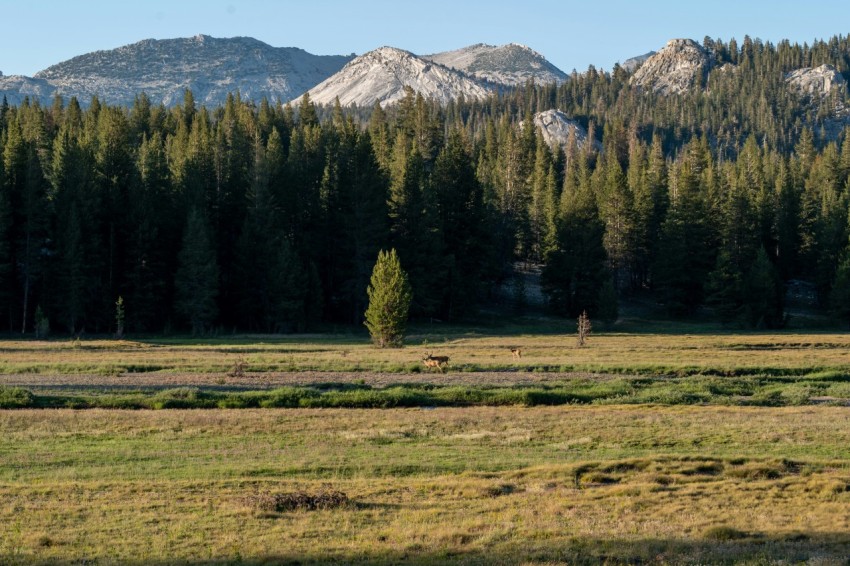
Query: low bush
{"points": [[297, 501], [15, 398], [724, 533]]}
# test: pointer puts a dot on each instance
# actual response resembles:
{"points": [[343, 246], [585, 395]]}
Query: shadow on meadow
{"points": [[718, 545]]}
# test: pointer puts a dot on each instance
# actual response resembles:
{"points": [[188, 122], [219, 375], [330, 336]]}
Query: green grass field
{"points": [[662, 448], [629, 353]]}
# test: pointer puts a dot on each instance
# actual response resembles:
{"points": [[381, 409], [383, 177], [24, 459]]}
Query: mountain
{"points": [[512, 64], [633, 63], [16, 87], [674, 69], [211, 67], [382, 75], [214, 67]]}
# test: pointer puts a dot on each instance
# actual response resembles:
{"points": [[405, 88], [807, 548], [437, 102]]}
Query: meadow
{"points": [[640, 448]]}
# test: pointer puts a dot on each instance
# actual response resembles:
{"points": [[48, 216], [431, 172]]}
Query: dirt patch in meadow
{"points": [[271, 380]]}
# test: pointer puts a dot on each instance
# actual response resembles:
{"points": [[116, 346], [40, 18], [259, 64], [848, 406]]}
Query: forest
{"points": [[269, 218]]}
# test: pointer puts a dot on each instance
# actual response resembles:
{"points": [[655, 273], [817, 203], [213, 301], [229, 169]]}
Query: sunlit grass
{"points": [[475, 485], [652, 354]]}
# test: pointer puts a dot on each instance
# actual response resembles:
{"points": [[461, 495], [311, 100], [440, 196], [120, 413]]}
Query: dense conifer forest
{"points": [[269, 218]]}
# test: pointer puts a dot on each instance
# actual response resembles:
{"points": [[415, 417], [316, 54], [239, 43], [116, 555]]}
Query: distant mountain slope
{"points": [[210, 67], [382, 74], [16, 87], [633, 63], [512, 64]]}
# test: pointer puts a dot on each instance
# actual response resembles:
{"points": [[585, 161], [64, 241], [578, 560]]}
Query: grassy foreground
{"points": [[480, 485]]}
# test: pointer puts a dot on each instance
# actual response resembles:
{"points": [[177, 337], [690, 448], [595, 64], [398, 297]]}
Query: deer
{"points": [[435, 361], [517, 352]]}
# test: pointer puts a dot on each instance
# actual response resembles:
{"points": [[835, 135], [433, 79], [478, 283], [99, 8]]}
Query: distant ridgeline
{"points": [[705, 179]]}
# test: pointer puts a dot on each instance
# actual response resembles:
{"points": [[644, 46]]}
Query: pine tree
{"points": [[307, 116], [154, 220], [25, 186], [5, 249], [389, 301], [414, 228], [609, 308], [272, 280], [687, 248], [196, 281], [764, 294], [463, 221], [574, 269], [840, 295], [616, 210]]}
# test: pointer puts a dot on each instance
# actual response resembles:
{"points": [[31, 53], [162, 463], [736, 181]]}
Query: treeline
{"points": [[269, 218]]}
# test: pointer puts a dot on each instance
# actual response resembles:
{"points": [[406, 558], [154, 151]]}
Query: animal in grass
{"points": [[517, 352], [438, 362]]}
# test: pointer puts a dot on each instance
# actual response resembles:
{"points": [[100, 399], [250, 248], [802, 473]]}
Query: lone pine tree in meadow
{"points": [[389, 301]]}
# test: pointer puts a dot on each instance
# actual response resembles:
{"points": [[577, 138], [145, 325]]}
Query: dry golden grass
{"points": [[658, 353], [475, 485]]}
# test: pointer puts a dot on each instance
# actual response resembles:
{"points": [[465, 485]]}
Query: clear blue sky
{"points": [[571, 34]]}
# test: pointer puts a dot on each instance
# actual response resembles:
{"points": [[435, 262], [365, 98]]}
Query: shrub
{"points": [[498, 490], [297, 500], [724, 532], [182, 398], [15, 398]]}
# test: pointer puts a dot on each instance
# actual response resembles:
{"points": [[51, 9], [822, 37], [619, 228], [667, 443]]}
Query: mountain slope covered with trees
{"points": [[270, 218]]}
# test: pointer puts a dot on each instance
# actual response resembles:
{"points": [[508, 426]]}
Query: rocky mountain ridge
{"points": [[381, 76], [513, 64], [211, 67], [214, 67]]}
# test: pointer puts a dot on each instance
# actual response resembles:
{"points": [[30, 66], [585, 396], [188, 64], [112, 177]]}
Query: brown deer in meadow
{"points": [[517, 352], [436, 362]]}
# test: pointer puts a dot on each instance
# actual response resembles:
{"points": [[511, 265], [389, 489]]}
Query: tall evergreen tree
{"points": [[464, 222], [574, 270], [687, 246], [389, 301], [196, 281]]}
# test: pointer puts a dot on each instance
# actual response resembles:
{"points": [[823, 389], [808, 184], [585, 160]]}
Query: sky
{"points": [[570, 34]]}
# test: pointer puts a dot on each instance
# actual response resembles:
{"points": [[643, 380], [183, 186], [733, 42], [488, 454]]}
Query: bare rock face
{"points": [[382, 75], [556, 128], [674, 69], [512, 64], [815, 82]]}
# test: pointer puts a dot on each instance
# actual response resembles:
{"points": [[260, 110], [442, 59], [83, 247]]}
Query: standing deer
{"points": [[517, 352], [435, 362]]}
